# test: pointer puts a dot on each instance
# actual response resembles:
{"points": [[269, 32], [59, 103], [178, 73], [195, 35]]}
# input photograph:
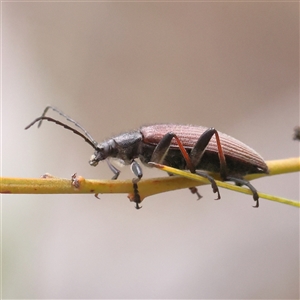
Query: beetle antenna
{"points": [[67, 118], [92, 142]]}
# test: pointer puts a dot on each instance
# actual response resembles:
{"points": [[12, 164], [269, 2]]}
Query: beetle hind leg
{"points": [[241, 182]]}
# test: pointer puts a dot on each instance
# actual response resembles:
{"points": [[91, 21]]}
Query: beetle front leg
{"points": [[113, 169], [138, 172]]}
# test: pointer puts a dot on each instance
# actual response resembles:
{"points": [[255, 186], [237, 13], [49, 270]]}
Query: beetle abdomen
{"points": [[235, 151]]}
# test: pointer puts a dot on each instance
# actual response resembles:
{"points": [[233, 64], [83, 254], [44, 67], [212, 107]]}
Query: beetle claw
{"points": [[137, 206], [215, 189], [255, 197], [199, 196], [219, 196]]}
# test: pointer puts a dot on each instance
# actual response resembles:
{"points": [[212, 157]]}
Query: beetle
{"points": [[195, 148]]}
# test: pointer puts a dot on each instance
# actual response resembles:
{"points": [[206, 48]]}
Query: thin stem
{"points": [[147, 187]]}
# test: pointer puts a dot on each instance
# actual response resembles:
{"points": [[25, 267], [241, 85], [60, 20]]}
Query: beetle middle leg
{"points": [[161, 151]]}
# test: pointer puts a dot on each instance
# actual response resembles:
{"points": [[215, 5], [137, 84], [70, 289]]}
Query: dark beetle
{"points": [[185, 147]]}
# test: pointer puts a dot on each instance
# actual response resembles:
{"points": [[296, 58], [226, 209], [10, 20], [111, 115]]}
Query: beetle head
{"points": [[102, 151]]}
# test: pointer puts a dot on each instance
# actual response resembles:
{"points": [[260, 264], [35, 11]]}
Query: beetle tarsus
{"points": [[219, 196], [137, 206], [194, 190], [137, 197], [212, 182], [255, 197], [241, 182], [215, 189]]}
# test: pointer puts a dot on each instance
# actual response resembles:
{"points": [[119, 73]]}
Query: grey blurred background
{"points": [[114, 67]]}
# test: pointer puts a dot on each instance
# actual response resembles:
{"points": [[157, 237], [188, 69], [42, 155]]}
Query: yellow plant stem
{"points": [[279, 166], [147, 187], [227, 185]]}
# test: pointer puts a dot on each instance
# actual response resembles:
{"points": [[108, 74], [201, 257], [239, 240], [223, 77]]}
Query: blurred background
{"points": [[114, 67]]}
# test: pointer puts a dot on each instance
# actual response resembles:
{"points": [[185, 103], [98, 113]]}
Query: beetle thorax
{"points": [[126, 146], [123, 147]]}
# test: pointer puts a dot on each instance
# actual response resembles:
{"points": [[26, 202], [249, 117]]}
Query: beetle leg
{"points": [[113, 169], [194, 190], [240, 182], [199, 149], [212, 182], [138, 172], [195, 157], [137, 198], [161, 150], [163, 146]]}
